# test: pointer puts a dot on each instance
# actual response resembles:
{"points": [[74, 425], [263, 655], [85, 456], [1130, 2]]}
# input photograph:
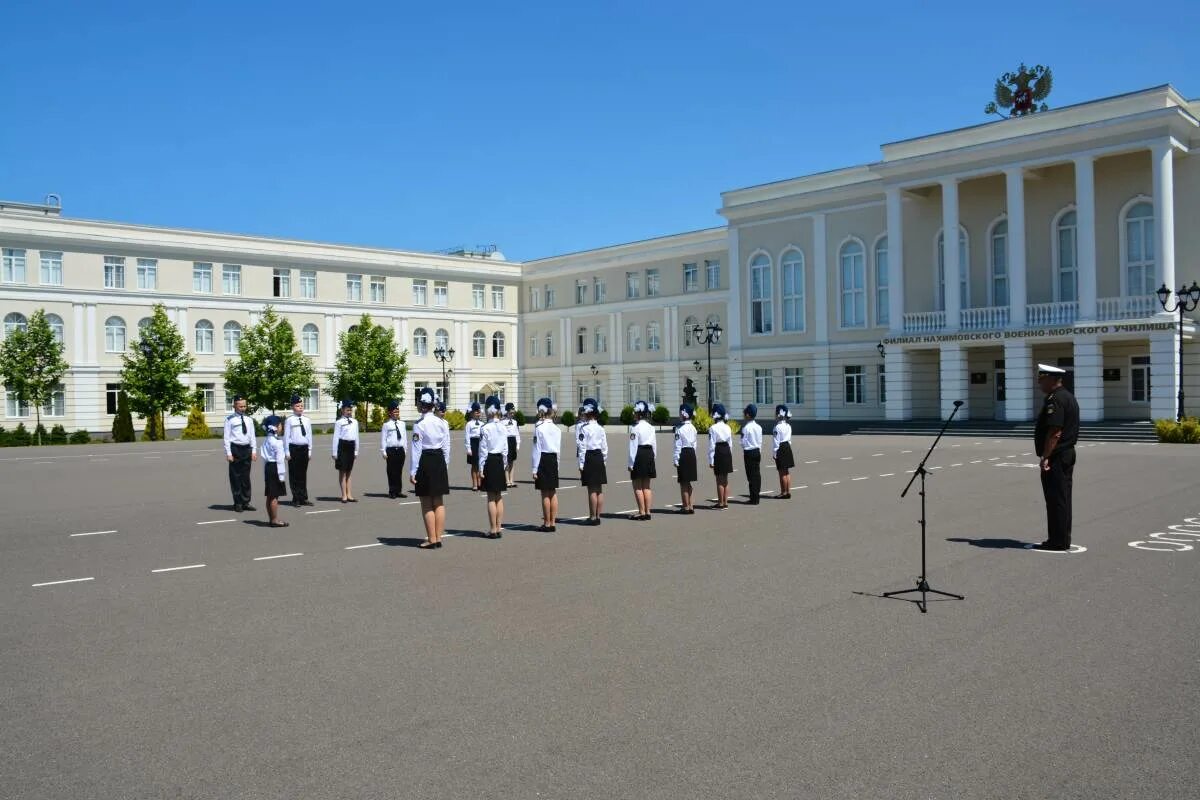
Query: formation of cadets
{"points": [[493, 441]]}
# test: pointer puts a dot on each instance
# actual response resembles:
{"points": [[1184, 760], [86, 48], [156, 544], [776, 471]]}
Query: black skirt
{"points": [[473, 456], [723, 459], [686, 471], [432, 478], [643, 463], [547, 473], [594, 474], [783, 457], [275, 486], [494, 479], [345, 456], [512, 450]]}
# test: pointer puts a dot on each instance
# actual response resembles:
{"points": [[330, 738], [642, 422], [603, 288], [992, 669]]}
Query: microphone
{"points": [[958, 403]]}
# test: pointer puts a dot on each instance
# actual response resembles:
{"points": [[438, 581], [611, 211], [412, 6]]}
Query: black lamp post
{"points": [[595, 371], [1186, 300], [444, 355], [881, 349], [708, 335]]}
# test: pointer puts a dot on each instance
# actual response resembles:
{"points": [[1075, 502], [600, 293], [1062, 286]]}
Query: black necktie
{"points": [[399, 436], [302, 431], [243, 419]]}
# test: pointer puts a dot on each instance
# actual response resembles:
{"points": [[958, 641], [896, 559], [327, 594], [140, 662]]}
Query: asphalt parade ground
{"points": [[154, 643]]}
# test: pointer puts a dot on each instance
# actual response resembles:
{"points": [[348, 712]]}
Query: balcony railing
{"points": [[1036, 314], [1136, 307], [1061, 313], [983, 319], [924, 321]]}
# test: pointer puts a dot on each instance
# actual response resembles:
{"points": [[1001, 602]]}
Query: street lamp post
{"points": [[1186, 300], [444, 355], [708, 335], [595, 371]]}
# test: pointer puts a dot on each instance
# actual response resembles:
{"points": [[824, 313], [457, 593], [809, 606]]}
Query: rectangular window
{"points": [[202, 281], [854, 286], [793, 385], [535, 299], [633, 391], [353, 288], [51, 268], [883, 314], [652, 395], [653, 283], [14, 266], [1000, 267], [13, 409], [550, 297], [601, 341], [147, 274], [764, 386], [477, 296], [231, 279], [793, 292], [56, 404], [308, 284], [497, 298], [580, 292], [228, 401], [420, 290], [761, 311], [882, 371], [581, 341], [114, 271], [281, 283], [1139, 373], [633, 288], [712, 269], [208, 396], [582, 390], [441, 294], [378, 289], [314, 400], [853, 377], [599, 290], [691, 278], [533, 346], [112, 392]]}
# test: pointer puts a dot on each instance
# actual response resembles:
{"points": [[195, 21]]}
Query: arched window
{"points": [[761, 312], [14, 322], [114, 335], [310, 340], [689, 335], [535, 346], [883, 314], [1139, 250], [420, 342], [581, 337], [1066, 263], [205, 334], [853, 275], [633, 338], [964, 269], [498, 345], [601, 340], [713, 319], [998, 265], [653, 337], [549, 344], [233, 337], [143, 323], [441, 339], [56, 327], [793, 290], [479, 344]]}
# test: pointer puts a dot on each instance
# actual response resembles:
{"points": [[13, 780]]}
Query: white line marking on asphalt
{"points": [[801, 487], [935, 467], [769, 491], [628, 511], [812, 462], [151, 458], [69, 580], [281, 555], [830, 483], [97, 460], [847, 458], [361, 546], [40, 463], [409, 503], [215, 521], [92, 533], [902, 452], [564, 488], [876, 455], [324, 511], [628, 481], [577, 519], [980, 461], [176, 569], [956, 465], [1026, 454], [863, 478], [887, 474], [909, 471], [994, 458]]}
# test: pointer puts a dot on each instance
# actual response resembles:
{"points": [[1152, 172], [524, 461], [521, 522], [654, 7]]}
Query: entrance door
{"points": [[999, 406]]}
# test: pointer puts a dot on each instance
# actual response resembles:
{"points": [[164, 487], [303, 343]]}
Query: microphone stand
{"points": [[922, 584]]}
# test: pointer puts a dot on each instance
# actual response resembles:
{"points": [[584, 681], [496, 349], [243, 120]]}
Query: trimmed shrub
{"points": [[568, 418], [20, 437], [39, 435], [602, 417], [3, 437], [1171, 432], [122, 429], [519, 416], [626, 415], [329, 431], [80, 437], [360, 414], [58, 435], [378, 417], [151, 433], [661, 415], [456, 419], [196, 427], [703, 421]]}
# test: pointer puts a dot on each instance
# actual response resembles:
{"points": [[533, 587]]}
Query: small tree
{"points": [[369, 368], [270, 367], [151, 371], [661, 415], [122, 429], [568, 418], [32, 363], [627, 415], [197, 426]]}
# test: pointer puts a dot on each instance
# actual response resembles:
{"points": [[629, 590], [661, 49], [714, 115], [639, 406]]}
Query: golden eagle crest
{"points": [[1020, 92]]}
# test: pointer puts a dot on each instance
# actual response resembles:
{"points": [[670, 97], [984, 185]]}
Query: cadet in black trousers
{"points": [[239, 452], [1055, 435], [298, 442], [393, 445], [752, 452]]}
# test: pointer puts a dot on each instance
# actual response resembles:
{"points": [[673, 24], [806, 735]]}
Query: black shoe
{"points": [[438, 545], [307, 503], [402, 495], [753, 502], [238, 507], [249, 507], [296, 504], [391, 495], [1052, 547], [552, 529], [594, 521]]}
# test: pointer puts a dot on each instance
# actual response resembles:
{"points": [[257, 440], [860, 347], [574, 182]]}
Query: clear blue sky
{"points": [[541, 127]]}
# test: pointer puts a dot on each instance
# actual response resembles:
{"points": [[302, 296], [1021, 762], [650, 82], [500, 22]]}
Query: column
{"points": [[181, 320], [1162, 156], [1164, 369], [1085, 232], [1018, 381], [330, 341], [78, 356], [822, 387], [1014, 182], [733, 325], [569, 343], [669, 388], [92, 334], [1089, 386], [952, 273], [821, 279], [898, 369], [954, 375], [895, 253]]}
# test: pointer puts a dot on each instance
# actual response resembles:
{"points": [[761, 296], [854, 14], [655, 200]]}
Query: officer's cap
{"points": [[272, 423], [492, 404], [545, 405], [509, 407], [641, 407], [1046, 369], [718, 411], [426, 397], [475, 407], [347, 403], [589, 406], [685, 411], [297, 399], [782, 412], [751, 411], [392, 406]]}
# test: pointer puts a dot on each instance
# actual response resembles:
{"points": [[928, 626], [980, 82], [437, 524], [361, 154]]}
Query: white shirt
{"points": [[273, 450], [474, 431], [781, 435], [591, 437], [717, 432], [392, 435], [641, 434], [429, 433], [547, 438], [297, 430], [685, 436], [239, 429], [345, 429], [512, 430], [493, 440], [751, 436]]}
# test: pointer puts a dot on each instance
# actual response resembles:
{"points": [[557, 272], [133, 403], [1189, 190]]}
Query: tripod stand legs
{"points": [[924, 588]]}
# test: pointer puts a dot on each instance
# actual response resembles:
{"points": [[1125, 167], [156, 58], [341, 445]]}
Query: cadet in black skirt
{"points": [[685, 458], [547, 443], [593, 452], [513, 431], [781, 444], [493, 466], [642, 452], [345, 449], [274, 469], [720, 454], [427, 472], [474, 428]]}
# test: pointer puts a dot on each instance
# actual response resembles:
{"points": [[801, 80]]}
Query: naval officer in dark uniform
{"points": [[1055, 435], [239, 452]]}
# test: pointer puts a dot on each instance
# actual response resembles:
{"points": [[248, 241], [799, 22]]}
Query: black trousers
{"points": [[395, 470], [298, 472], [239, 474], [753, 472], [1056, 488]]}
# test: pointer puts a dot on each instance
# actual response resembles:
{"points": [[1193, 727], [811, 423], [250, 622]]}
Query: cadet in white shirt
{"points": [[474, 429], [781, 449], [642, 452], [239, 452], [298, 442], [427, 469], [720, 454], [393, 445], [547, 444], [752, 452], [345, 449], [514, 440], [274, 469], [593, 453], [685, 458], [493, 466]]}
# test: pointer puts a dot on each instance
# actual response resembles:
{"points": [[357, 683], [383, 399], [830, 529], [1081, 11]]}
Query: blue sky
{"points": [[541, 127]]}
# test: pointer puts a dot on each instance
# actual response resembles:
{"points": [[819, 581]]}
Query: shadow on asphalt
{"points": [[991, 544], [219, 507], [399, 542]]}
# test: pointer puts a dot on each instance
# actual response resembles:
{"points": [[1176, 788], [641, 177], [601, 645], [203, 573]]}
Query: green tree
{"points": [[270, 367], [122, 429], [150, 375], [369, 367], [197, 426], [32, 363]]}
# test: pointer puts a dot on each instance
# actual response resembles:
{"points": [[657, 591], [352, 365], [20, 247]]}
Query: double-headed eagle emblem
{"points": [[1020, 92]]}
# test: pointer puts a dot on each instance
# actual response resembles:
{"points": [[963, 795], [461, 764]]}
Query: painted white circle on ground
{"points": [[1075, 548]]}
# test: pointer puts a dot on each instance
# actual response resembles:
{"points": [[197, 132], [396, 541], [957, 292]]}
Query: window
{"points": [[549, 344], [653, 337], [147, 274], [580, 292], [378, 289], [310, 340], [633, 390], [114, 271], [353, 288], [882, 371], [498, 298], [853, 377], [441, 294], [853, 275], [112, 393], [308, 284], [689, 337], [793, 290], [1139, 250], [202, 277], [419, 291], [653, 396], [14, 266], [56, 327], [14, 322], [764, 386], [550, 295], [633, 338], [281, 282], [964, 269], [51, 268], [478, 344], [793, 385], [314, 399], [581, 337], [233, 337], [653, 283], [1139, 385], [761, 312], [228, 401], [535, 298], [14, 409], [231, 278], [633, 285], [56, 403], [1066, 267], [599, 290], [712, 269], [114, 335], [477, 296], [998, 266], [420, 342], [691, 278], [204, 337], [497, 345], [601, 340], [208, 396], [441, 339], [883, 314]]}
